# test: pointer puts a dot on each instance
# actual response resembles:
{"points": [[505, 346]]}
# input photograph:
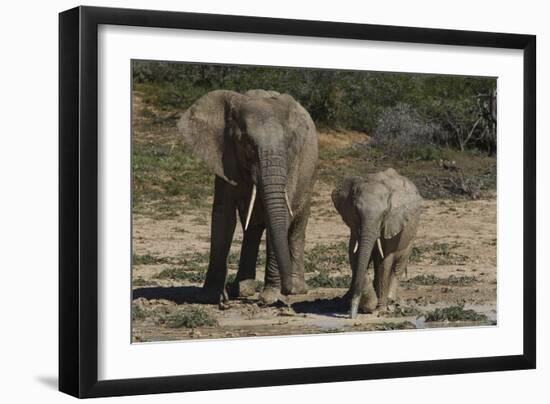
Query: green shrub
{"points": [[455, 313], [176, 273], [445, 107], [191, 318], [138, 313], [324, 280], [452, 280], [148, 259]]}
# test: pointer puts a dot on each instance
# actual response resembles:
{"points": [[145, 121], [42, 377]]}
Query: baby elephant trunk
{"points": [[366, 244]]}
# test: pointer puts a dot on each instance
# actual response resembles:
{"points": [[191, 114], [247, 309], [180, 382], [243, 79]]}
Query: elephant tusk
{"points": [[379, 244], [288, 205], [356, 247], [250, 206]]}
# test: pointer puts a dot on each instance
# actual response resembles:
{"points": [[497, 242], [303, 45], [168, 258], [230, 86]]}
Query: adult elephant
{"points": [[260, 143], [381, 209]]}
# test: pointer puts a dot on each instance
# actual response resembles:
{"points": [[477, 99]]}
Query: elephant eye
{"points": [[250, 151]]}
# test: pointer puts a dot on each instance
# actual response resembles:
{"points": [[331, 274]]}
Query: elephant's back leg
{"points": [[399, 268], [383, 275], [245, 281], [403, 247]]}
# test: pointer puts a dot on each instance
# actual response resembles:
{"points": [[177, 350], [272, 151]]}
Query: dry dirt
{"points": [[455, 263]]}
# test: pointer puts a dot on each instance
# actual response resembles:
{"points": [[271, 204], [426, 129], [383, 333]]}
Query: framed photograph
{"points": [[251, 201]]}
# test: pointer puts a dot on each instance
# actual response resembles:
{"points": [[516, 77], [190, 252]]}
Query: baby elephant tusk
{"points": [[250, 206], [380, 247], [356, 247], [288, 205]]}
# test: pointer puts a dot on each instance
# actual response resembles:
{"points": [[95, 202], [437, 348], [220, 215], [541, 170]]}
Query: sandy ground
{"points": [[456, 241]]}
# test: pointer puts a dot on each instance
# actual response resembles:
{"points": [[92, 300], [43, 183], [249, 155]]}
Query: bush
{"points": [[401, 132], [446, 107]]}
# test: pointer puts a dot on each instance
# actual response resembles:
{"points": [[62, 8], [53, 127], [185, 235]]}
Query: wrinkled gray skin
{"points": [[383, 206], [266, 139]]}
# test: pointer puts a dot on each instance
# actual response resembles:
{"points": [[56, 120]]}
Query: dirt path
{"points": [[453, 264]]}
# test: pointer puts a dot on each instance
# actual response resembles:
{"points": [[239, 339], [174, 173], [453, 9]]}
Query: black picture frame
{"points": [[78, 201]]}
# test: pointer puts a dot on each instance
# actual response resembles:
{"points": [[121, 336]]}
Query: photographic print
{"points": [[270, 201]]}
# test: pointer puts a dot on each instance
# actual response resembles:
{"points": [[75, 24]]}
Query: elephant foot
{"points": [[366, 304], [244, 288], [298, 287], [270, 296]]}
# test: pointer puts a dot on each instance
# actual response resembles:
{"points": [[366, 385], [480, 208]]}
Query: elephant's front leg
{"points": [[245, 281], [221, 234], [352, 255]]}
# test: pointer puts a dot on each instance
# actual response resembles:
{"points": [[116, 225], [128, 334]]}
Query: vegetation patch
{"points": [[138, 312], [428, 280], [148, 259], [416, 255], [402, 311], [181, 274], [474, 178], [191, 317], [455, 313], [324, 280], [388, 326], [439, 254], [139, 281], [326, 257], [168, 178]]}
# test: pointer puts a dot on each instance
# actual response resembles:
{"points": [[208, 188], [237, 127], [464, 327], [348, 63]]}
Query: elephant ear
{"points": [[203, 127], [404, 206]]}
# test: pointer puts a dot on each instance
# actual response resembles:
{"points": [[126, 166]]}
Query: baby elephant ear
{"points": [[203, 127], [404, 209]]}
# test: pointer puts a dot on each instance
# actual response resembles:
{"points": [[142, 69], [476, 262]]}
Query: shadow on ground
{"points": [[334, 307], [178, 295]]}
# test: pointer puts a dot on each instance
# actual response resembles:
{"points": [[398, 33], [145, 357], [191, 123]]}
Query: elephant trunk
{"points": [[366, 244], [272, 187]]}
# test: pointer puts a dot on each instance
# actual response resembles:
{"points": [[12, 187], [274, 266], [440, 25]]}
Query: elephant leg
{"points": [[383, 277], [400, 267], [296, 243], [369, 298], [352, 262], [245, 281], [221, 234]]}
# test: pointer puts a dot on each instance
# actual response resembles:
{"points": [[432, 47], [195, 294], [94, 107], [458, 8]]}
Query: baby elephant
{"points": [[382, 212]]}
